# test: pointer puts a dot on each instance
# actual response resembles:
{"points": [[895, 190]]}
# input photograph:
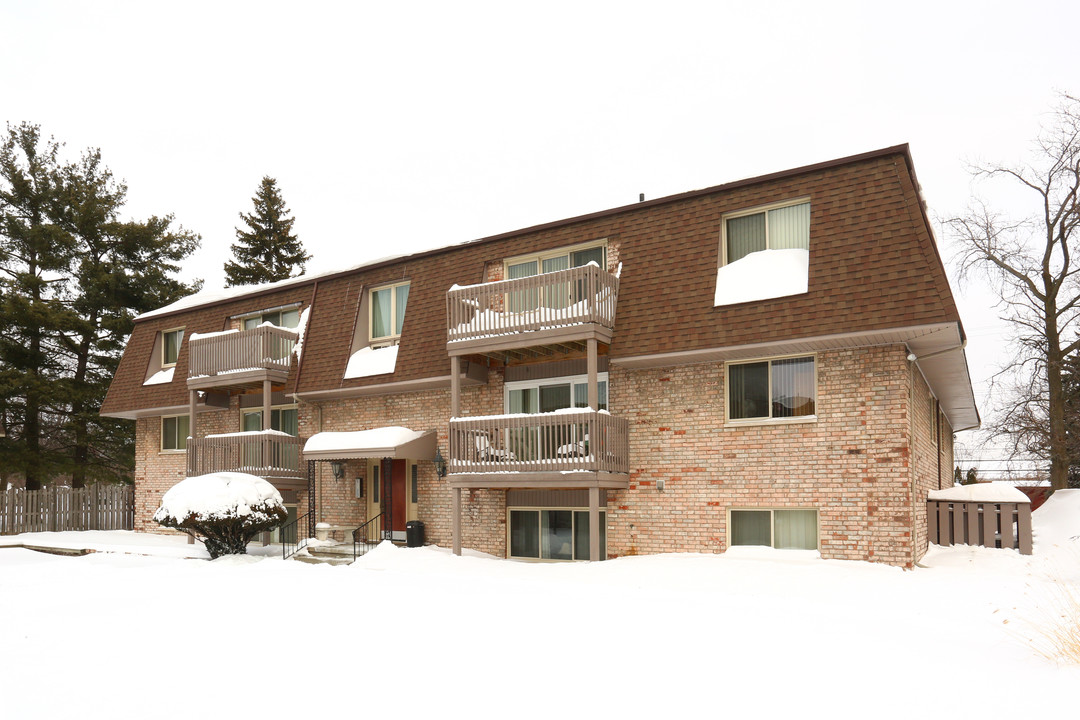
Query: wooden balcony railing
{"points": [[262, 348], [563, 442], [552, 300], [268, 454]]}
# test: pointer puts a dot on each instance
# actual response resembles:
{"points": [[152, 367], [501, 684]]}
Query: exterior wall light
{"points": [[338, 468], [440, 463]]}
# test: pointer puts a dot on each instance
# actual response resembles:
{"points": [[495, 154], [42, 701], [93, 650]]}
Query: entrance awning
{"points": [[384, 442]]}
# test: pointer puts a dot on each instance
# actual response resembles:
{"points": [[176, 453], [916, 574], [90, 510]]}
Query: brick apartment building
{"points": [[774, 361]]}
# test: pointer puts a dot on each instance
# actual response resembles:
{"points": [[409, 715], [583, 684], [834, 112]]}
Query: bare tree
{"points": [[1030, 263]]}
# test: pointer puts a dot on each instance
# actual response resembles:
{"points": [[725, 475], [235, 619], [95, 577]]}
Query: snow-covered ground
{"points": [[138, 631]]}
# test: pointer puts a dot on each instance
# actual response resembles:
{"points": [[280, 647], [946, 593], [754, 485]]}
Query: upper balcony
{"points": [[532, 315], [572, 448], [239, 359], [269, 454]]}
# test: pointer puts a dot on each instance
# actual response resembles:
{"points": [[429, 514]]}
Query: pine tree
{"points": [[72, 278], [267, 250]]}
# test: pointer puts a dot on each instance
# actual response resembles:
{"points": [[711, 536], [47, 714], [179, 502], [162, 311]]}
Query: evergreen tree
{"points": [[72, 278], [268, 250]]}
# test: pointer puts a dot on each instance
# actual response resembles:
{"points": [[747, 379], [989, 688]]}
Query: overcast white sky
{"points": [[394, 127]]}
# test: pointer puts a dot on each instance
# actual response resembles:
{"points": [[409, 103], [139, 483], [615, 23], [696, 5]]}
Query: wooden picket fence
{"points": [[97, 507], [990, 524]]}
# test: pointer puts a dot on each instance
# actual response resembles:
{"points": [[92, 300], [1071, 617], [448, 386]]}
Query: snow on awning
{"points": [[391, 442]]}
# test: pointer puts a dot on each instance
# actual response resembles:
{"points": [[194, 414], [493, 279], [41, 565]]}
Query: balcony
{"points": [[532, 316], [269, 454], [239, 359], [576, 448]]}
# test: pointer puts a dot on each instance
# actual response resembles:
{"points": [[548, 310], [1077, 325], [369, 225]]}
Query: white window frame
{"points": [[538, 509], [753, 211], [570, 380], [557, 252], [161, 434], [179, 344], [728, 420], [772, 523], [288, 406], [279, 309], [385, 340]]}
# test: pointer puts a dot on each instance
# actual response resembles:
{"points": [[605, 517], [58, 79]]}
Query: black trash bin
{"points": [[414, 533]]}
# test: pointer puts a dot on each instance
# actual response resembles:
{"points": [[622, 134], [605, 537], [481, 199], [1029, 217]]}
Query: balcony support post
{"points": [[594, 523], [193, 397], [455, 386], [594, 389], [456, 512], [266, 405]]}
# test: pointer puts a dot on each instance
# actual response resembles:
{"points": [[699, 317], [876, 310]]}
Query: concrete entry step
{"points": [[313, 560]]}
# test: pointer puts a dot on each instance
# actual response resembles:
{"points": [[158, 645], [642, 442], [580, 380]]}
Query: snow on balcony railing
{"points": [[266, 347], [580, 295], [577, 440], [266, 453]]}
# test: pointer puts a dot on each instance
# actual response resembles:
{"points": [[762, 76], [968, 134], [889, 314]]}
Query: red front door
{"points": [[394, 492]]}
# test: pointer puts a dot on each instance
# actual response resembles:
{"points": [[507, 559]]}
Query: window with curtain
{"points": [[174, 432], [170, 346], [772, 389], [553, 533], [283, 419], [784, 529], [781, 228], [556, 295], [386, 311], [287, 318]]}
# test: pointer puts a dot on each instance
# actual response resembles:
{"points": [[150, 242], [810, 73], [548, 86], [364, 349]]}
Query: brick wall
{"points": [[855, 464], [852, 464]]}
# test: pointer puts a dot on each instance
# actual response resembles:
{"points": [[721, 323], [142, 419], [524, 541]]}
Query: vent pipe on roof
{"points": [[641, 197]]}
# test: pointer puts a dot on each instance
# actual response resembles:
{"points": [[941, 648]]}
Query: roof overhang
{"points": [[938, 347], [207, 402], [384, 442]]}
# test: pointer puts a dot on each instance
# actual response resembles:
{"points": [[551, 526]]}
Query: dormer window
{"points": [[282, 317], [764, 253], [778, 228], [170, 346], [387, 313]]}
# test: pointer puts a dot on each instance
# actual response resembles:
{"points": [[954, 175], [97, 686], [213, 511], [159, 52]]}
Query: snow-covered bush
{"points": [[226, 508]]}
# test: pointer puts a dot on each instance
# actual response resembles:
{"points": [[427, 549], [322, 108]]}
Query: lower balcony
{"points": [[269, 454], [577, 448]]}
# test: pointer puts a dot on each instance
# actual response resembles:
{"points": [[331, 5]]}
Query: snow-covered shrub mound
{"points": [[226, 508]]}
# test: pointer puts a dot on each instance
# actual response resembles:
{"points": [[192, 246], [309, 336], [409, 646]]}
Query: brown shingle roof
{"points": [[873, 265]]}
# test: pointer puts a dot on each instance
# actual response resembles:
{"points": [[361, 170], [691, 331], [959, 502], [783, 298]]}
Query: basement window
{"points": [[794, 529]]}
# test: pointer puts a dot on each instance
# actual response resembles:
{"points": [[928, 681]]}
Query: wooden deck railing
{"points": [[266, 454], [565, 441], [576, 296], [262, 348], [995, 525]]}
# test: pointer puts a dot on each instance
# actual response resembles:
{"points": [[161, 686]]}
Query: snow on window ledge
{"points": [[369, 361], [763, 275], [161, 377]]}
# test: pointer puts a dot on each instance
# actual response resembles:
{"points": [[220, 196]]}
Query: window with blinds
{"points": [[772, 389], [779, 228]]}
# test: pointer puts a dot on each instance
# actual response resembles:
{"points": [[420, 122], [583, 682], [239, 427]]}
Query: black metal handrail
{"points": [[291, 543], [366, 536]]}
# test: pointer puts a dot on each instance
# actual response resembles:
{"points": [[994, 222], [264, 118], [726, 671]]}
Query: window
{"points": [[545, 396], [771, 389], [935, 425], [778, 228], [553, 534], [170, 346], [375, 484], [283, 419], [282, 317], [413, 485], [781, 529], [559, 295], [174, 432], [386, 313]]}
